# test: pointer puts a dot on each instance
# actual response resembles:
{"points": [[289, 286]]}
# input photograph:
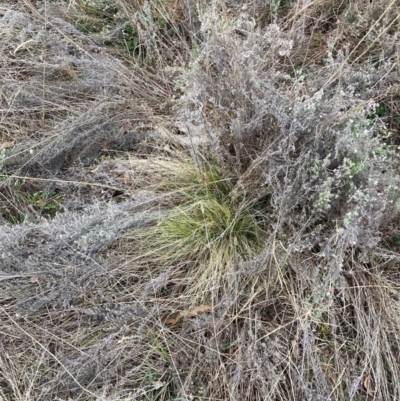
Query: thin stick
{"points": [[19, 177]]}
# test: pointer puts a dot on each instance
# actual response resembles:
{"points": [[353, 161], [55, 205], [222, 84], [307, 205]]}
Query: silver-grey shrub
{"points": [[308, 141]]}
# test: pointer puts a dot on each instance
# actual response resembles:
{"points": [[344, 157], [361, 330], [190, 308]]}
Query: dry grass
{"points": [[199, 201]]}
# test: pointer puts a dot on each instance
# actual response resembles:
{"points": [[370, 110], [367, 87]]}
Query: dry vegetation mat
{"points": [[199, 200]]}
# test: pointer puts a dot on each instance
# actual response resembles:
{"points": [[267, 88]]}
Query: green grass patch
{"points": [[211, 229]]}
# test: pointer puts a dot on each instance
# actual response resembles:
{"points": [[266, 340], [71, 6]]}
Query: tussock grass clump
{"points": [[209, 230]]}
